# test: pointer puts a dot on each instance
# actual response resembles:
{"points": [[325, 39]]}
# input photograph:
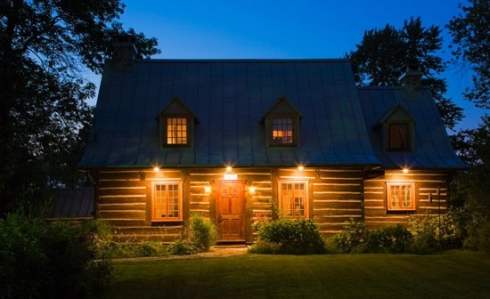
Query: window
{"points": [[293, 199], [399, 137], [282, 131], [177, 131], [167, 201], [401, 196]]}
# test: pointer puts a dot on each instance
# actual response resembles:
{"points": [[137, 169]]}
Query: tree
{"points": [[471, 36], [45, 46], [384, 55]]}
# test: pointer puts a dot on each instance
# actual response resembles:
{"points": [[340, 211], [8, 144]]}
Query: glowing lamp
{"points": [[229, 168], [301, 168], [405, 170], [207, 189], [156, 169], [252, 189]]}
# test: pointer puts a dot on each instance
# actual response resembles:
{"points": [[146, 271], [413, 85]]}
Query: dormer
{"points": [[282, 124], [398, 130], [176, 122]]}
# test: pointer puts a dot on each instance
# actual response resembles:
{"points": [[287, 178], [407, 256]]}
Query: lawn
{"points": [[455, 274]]}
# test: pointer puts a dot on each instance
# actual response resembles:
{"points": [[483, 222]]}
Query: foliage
{"points": [[432, 233], [471, 37], [113, 249], [356, 238], [393, 239], [354, 235], [384, 55], [45, 47], [48, 260], [264, 247], [470, 189], [291, 236], [182, 247], [202, 232]]}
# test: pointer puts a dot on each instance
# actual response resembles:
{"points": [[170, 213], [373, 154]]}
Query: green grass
{"points": [[455, 274]]}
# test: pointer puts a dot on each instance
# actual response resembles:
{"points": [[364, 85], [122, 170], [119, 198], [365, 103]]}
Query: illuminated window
{"points": [[282, 131], [177, 130], [167, 201], [293, 199], [399, 137], [401, 196]]}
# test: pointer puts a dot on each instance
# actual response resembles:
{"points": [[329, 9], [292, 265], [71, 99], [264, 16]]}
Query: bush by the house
{"points": [[48, 260], [356, 238], [352, 239], [289, 236], [182, 247], [393, 239], [432, 233], [202, 232], [133, 249]]}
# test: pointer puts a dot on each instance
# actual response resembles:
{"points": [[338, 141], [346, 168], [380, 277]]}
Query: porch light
{"points": [[156, 169], [207, 189], [252, 189], [301, 167], [405, 170]]}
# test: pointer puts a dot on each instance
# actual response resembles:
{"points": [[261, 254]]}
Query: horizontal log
{"points": [[121, 206], [122, 214]]}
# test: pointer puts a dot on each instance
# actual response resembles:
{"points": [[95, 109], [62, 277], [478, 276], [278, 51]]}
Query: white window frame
{"points": [[307, 199], [167, 182]]}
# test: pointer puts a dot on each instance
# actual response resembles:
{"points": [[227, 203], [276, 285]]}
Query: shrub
{"points": [[393, 239], [291, 236], [439, 232], [484, 236], [48, 260], [352, 238], [202, 233], [132, 249], [182, 247], [265, 247]]}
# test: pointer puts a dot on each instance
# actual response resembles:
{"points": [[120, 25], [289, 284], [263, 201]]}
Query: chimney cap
{"points": [[411, 77]]}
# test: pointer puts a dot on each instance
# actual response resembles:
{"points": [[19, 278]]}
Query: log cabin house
{"points": [[243, 141]]}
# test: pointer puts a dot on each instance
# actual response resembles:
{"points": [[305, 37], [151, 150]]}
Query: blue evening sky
{"points": [[287, 29]]}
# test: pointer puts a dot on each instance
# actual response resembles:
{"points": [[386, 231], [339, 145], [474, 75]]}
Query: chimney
{"points": [[124, 51], [412, 78]]}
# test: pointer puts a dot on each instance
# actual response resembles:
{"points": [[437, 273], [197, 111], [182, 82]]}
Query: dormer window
{"points": [[398, 129], [282, 124], [177, 130], [399, 137], [282, 131], [177, 124]]}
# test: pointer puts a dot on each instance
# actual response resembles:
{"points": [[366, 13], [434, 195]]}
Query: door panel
{"points": [[229, 211]]}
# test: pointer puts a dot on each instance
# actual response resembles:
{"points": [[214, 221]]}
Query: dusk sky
{"points": [[287, 29]]}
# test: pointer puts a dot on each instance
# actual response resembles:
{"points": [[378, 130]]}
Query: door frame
{"points": [[243, 236]]}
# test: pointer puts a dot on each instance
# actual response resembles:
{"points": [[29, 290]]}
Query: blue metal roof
{"points": [[432, 148], [229, 97]]}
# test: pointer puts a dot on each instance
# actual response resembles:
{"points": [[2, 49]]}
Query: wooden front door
{"points": [[230, 207]]}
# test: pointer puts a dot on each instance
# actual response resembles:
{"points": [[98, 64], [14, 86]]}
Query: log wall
{"points": [[431, 192], [336, 195]]}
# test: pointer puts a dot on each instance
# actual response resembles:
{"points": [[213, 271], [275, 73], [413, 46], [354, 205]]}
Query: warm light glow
{"points": [[229, 168], [405, 170], [251, 189], [230, 177], [156, 169], [301, 168], [207, 189]]}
